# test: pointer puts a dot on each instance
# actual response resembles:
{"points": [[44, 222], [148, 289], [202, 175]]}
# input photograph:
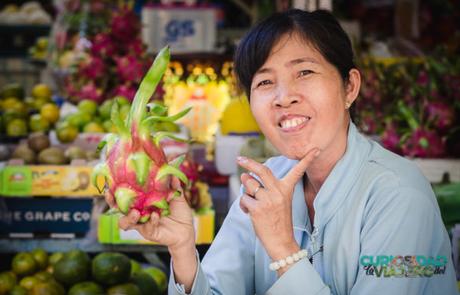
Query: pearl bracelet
{"points": [[288, 260]]}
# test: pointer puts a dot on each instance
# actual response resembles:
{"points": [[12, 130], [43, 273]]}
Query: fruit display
{"points": [[108, 60], [76, 273], [30, 12], [136, 168], [40, 49], [90, 117], [38, 150], [21, 114]]}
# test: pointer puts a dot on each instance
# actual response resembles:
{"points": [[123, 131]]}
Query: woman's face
{"points": [[299, 100]]}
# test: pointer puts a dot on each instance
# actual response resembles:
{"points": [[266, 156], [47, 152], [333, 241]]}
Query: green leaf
{"points": [[100, 169], [125, 198], [166, 170], [141, 163], [408, 115], [177, 161], [173, 118], [109, 140], [115, 116], [147, 87], [162, 134], [157, 109], [162, 204]]}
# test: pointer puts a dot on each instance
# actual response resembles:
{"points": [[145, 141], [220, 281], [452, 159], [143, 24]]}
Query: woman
{"points": [[367, 218]]}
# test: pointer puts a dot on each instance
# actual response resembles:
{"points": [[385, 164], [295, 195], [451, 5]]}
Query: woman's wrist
{"points": [[182, 250], [282, 252]]}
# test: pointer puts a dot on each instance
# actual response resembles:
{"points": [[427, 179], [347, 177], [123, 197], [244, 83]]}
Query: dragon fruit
{"points": [[391, 138], [440, 114], [136, 170], [125, 90], [125, 25], [92, 68], [90, 91], [424, 143], [103, 45], [129, 68], [423, 79]]}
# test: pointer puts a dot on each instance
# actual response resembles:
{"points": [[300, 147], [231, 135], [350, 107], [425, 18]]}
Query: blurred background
{"points": [[65, 63]]}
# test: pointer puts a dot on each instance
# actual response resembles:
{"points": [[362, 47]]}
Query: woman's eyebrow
{"points": [[301, 60], [263, 70]]}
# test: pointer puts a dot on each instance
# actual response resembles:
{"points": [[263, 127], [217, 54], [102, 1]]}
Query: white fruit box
{"points": [[435, 169]]}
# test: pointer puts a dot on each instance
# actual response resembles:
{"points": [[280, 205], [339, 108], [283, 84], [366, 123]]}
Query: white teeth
{"points": [[293, 122]]}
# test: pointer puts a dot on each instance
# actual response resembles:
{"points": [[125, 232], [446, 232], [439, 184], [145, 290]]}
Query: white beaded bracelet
{"points": [[288, 260]]}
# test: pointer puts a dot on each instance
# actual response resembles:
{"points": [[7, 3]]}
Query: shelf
{"points": [[62, 245]]}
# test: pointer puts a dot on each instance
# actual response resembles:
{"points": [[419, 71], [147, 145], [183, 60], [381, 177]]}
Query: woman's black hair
{"points": [[319, 28]]}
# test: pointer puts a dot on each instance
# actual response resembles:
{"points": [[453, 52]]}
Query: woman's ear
{"points": [[352, 87]]}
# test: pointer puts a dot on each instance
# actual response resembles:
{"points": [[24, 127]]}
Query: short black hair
{"points": [[319, 28]]}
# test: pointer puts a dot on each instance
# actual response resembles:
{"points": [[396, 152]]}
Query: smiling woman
{"points": [[308, 219]]}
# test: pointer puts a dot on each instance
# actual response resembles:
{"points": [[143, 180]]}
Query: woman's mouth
{"points": [[293, 123]]}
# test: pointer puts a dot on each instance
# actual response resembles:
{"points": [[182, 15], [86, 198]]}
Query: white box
{"points": [[185, 30]]}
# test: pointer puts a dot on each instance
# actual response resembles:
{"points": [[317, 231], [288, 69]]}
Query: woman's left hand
{"points": [[270, 204]]}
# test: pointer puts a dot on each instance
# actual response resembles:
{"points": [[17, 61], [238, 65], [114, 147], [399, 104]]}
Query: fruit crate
{"points": [[32, 218], [47, 180], [110, 233]]}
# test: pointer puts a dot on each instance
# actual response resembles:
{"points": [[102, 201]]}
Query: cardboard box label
{"points": [[47, 181], [40, 215]]}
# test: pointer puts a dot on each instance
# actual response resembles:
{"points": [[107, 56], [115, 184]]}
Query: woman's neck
{"points": [[320, 169]]}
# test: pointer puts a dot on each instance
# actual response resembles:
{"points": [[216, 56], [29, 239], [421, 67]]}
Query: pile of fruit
{"points": [[21, 115], [40, 49], [89, 118], [75, 273], [37, 150]]}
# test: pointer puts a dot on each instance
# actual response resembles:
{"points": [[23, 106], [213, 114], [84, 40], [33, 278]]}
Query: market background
{"points": [[64, 63]]}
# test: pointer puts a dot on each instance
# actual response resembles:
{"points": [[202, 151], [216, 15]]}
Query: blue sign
{"points": [[45, 215], [177, 29]]}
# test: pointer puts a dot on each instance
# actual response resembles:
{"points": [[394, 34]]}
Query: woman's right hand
{"points": [[176, 231]]}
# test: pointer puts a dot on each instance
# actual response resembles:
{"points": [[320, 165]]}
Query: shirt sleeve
{"points": [[300, 279], [228, 266], [404, 222]]}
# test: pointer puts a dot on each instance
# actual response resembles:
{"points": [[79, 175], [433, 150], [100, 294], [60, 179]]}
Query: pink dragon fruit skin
{"points": [[391, 139], [90, 91], [125, 90], [440, 114], [136, 47], [103, 45], [124, 25], [92, 68], [423, 79], [424, 144], [129, 68]]}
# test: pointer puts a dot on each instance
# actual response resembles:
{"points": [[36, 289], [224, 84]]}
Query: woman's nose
{"points": [[286, 98]]}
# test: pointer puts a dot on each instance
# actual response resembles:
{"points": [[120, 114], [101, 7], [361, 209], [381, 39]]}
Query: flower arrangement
{"points": [[412, 104]]}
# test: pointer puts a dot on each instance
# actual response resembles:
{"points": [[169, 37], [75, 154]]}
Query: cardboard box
{"points": [[110, 233], [45, 180], [45, 217]]}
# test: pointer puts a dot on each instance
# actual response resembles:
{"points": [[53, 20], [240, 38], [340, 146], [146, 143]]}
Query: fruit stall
{"points": [[70, 117]]}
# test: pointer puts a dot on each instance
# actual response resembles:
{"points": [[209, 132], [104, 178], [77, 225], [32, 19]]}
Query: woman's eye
{"points": [[263, 83], [304, 73]]}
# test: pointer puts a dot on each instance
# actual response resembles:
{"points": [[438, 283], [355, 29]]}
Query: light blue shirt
{"points": [[374, 203]]}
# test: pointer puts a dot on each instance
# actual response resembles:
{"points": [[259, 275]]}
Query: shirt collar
{"points": [[336, 187]]}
